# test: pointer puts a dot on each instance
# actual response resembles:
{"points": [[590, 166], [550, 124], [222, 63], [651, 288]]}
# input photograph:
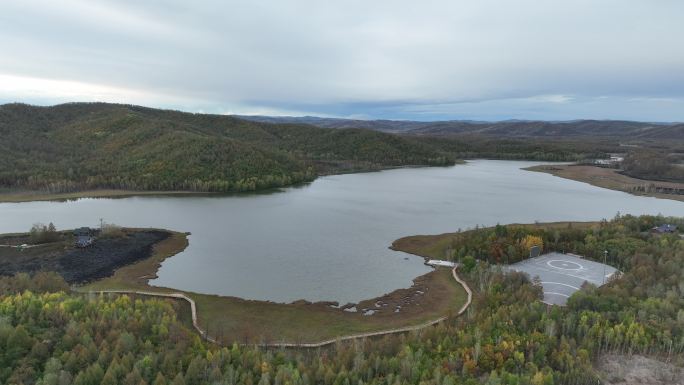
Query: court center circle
{"points": [[564, 265]]}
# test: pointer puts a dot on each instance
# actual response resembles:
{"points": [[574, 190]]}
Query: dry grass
{"points": [[636, 370], [607, 178], [231, 319]]}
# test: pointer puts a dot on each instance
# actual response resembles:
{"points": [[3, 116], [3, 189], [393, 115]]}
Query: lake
{"points": [[329, 240]]}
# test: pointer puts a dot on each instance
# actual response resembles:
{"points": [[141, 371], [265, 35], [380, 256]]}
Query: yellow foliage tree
{"points": [[538, 379], [532, 240]]}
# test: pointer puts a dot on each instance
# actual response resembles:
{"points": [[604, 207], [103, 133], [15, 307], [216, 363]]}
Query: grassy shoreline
{"points": [[19, 196], [36, 196], [608, 178], [232, 319]]}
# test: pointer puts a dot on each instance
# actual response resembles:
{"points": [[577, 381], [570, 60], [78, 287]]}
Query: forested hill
{"points": [[625, 130], [82, 146]]}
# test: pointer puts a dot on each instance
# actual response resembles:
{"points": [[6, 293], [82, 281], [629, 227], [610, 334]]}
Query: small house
{"points": [[664, 229]]}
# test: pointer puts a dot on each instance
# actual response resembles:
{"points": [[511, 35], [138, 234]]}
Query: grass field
{"points": [[608, 178], [230, 319]]}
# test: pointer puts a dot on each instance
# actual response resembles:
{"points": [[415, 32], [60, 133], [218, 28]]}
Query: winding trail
{"points": [[203, 333], [193, 307]]}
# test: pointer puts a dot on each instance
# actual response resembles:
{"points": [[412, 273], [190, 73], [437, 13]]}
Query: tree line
{"points": [[84, 146], [50, 336], [654, 165]]}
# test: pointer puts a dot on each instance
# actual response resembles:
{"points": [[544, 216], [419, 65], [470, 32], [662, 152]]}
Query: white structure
{"points": [[437, 262], [614, 159]]}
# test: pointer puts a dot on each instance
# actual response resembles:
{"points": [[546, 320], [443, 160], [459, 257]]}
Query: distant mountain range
{"points": [[503, 129]]}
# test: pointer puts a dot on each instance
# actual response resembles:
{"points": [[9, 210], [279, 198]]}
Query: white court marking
{"points": [[561, 275], [563, 284], [564, 265], [555, 271]]}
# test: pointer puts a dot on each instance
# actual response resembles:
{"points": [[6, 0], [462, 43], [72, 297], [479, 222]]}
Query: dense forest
{"points": [[84, 146], [654, 165], [539, 149], [624, 130], [49, 336], [88, 146]]}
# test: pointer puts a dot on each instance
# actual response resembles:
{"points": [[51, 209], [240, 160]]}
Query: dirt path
{"points": [[193, 307], [203, 333]]}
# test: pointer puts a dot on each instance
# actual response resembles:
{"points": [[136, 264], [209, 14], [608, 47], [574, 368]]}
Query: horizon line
{"points": [[244, 116]]}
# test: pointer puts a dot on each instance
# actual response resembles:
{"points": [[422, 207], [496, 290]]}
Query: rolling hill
{"points": [[83, 146], [89, 146], [617, 129]]}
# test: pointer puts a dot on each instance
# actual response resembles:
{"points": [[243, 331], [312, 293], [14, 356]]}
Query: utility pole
{"points": [[605, 257]]}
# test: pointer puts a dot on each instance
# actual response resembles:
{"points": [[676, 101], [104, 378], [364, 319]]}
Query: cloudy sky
{"points": [[424, 60]]}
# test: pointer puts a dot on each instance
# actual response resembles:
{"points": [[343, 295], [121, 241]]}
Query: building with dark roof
{"points": [[664, 229]]}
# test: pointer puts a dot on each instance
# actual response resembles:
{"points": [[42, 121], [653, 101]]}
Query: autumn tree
{"points": [[530, 241]]}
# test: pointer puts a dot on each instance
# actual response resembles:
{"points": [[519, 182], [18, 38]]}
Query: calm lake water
{"points": [[329, 240]]}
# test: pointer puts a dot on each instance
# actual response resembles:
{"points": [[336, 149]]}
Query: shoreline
{"points": [[611, 179], [205, 334], [22, 196], [227, 319], [58, 251], [37, 196], [433, 246]]}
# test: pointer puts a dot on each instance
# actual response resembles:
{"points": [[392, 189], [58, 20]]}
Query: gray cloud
{"points": [[431, 59]]}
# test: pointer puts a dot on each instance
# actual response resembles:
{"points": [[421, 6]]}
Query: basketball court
{"points": [[563, 274]]}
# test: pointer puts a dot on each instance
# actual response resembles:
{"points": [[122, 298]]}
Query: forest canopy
{"points": [[654, 165], [51, 336], [87, 146], [76, 147]]}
